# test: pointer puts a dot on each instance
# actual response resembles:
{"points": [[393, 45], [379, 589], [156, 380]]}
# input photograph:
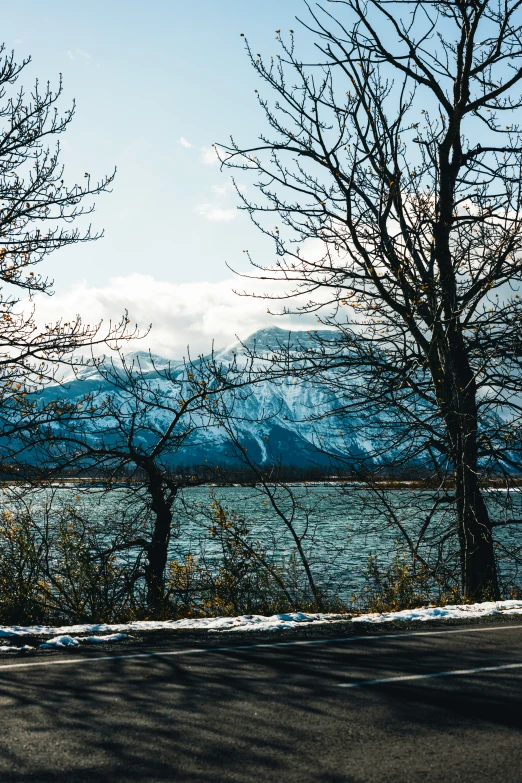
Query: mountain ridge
{"points": [[275, 418]]}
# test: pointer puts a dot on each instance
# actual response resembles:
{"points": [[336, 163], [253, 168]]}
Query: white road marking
{"points": [[406, 677], [260, 645]]}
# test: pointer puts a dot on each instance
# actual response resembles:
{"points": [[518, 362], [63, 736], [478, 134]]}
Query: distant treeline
{"points": [[187, 475]]}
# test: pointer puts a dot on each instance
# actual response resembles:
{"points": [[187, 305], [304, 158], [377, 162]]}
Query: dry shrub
{"points": [[55, 566], [237, 579], [22, 558], [403, 584]]}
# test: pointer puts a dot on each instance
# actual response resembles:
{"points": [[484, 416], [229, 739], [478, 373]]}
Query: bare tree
{"points": [[38, 215], [138, 426], [397, 151]]}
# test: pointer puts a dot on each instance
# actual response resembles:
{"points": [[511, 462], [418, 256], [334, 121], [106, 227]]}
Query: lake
{"points": [[340, 526]]}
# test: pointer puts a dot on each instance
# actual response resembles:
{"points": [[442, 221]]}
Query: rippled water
{"points": [[340, 526]]}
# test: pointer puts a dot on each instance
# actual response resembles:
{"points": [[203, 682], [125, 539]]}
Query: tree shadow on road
{"points": [[273, 714]]}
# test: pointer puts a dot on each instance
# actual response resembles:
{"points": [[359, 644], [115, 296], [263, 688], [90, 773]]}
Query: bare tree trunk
{"points": [[458, 401], [477, 556], [479, 571], [157, 550]]}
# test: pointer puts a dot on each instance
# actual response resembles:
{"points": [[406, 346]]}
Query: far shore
{"points": [[512, 483]]}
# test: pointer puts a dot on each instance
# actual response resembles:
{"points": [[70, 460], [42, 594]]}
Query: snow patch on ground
{"points": [[111, 637], [5, 648], [256, 622], [249, 622], [71, 641], [60, 641], [450, 612], [71, 635]]}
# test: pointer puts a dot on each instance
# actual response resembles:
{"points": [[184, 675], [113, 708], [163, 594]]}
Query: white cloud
{"points": [[209, 156], [216, 214], [181, 314], [75, 54], [184, 142]]}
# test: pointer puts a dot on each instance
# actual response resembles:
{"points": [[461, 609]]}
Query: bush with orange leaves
{"points": [[56, 566], [235, 578]]}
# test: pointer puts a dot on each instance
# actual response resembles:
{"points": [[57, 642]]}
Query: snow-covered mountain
{"points": [[277, 422]]}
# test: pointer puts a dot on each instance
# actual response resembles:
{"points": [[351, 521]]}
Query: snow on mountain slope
{"points": [[274, 418]]}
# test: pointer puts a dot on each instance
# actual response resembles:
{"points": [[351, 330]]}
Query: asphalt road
{"points": [[306, 710]]}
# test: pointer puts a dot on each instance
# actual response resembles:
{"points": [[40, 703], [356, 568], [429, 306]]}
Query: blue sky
{"points": [[145, 75]]}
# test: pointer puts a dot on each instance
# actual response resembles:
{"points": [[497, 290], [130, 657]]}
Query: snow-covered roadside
{"points": [[67, 641], [73, 641], [248, 622], [449, 612], [91, 633]]}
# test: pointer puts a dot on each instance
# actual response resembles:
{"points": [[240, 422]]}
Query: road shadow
{"points": [[271, 714]]}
